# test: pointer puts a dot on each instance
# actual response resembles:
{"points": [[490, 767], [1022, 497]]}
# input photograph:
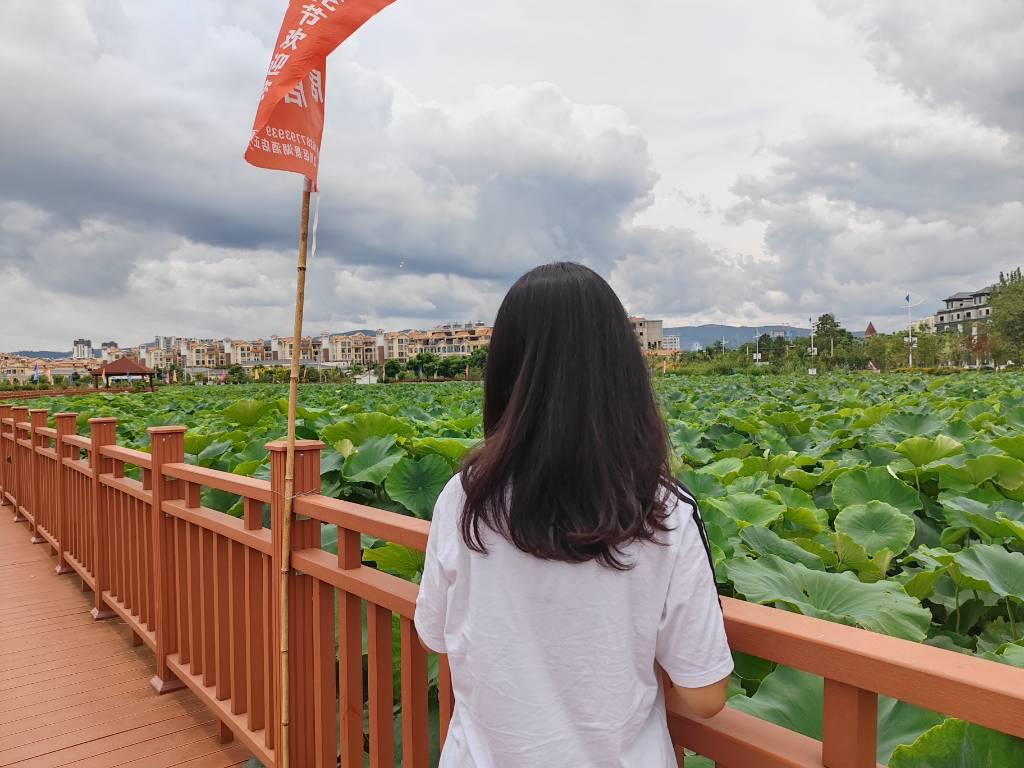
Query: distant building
{"points": [[169, 344], [109, 351], [670, 343], [648, 332], [82, 349], [870, 331], [925, 324], [964, 311]]}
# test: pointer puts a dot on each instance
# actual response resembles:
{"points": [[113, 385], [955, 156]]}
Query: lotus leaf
{"points": [[373, 461], [416, 483], [922, 450], [876, 526], [956, 744], [992, 568], [881, 607], [747, 509], [861, 486]]}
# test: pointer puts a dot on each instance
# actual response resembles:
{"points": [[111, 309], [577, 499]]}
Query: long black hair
{"points": [[575, 461]]}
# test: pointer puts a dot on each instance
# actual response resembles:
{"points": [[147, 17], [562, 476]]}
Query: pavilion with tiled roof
{"points": [[123, 367]]}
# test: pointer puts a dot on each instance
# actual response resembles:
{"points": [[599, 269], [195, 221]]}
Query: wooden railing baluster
{"points": [[305, 533], [350, 660], [103, 432], [167, 446], [850, 726], [66, 424], [414, 698], [22, 469], [381, 684], [37, 419], [6, 470]]}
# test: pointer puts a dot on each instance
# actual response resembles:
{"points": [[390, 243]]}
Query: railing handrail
{"points": [[240, 485], [401, 529], [128, 456], [78, 442], [956, 684]]}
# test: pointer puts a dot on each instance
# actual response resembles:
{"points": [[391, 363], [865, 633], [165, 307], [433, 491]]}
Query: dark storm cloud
{"points": [[966, 54]]}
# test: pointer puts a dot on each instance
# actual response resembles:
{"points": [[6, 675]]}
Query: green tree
{"points": [[425, 363], [830, 334], [1007, 322], [450, 367], [478, 359], [393, 369], [237, 375], [778, 346]]}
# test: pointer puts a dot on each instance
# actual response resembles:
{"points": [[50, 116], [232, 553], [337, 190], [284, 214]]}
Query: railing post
{"points": [[5, 413], [850, 727], [37, 419], [305, 534], [24, 477], [104, 432], [66, 423], [168, 447]]}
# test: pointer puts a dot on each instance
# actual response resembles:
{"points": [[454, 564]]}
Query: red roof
{"points": [[123, 367], [870, 330]]}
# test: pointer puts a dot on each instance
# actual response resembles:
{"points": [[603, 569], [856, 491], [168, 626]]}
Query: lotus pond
{"points": [[893, 503]]}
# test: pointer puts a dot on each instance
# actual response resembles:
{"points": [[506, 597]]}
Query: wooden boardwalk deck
{"points": [[73, 691]]}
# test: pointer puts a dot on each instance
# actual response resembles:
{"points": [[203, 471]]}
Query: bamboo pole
{"points": [[289, 475]]}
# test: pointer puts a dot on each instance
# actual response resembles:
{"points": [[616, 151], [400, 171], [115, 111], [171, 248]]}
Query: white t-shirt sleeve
{"points": [[432, 600], [692, 647]]}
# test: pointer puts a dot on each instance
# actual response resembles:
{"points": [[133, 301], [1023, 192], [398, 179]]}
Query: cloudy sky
{"points": [[737, 161]]}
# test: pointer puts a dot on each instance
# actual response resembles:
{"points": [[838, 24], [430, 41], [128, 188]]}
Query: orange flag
{"points": [[290, 118]]}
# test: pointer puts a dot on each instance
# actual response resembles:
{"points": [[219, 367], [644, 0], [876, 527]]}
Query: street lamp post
{"points": [[910, 328]]}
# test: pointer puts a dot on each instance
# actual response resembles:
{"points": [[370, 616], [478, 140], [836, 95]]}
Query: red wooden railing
{"points": [[32, 394], [200, 588]]}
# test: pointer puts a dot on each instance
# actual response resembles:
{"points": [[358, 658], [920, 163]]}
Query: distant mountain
{"points": [[693, 337], [42, 354]]}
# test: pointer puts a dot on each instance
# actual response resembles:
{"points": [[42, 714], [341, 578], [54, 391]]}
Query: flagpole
{"points": [[289, 474]]}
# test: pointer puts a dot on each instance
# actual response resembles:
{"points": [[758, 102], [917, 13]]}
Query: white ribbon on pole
{"points": [[316, 220]]}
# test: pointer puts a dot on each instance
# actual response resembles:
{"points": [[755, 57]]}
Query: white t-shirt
{"points": [[553, 663]]}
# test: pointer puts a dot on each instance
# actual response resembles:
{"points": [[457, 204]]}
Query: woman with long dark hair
{"points": [[565, 564]]}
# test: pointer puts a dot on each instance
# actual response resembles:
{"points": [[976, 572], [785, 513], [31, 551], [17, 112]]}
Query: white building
{"points": [[964, 310], [82, 349], [670, 342], [648, 332], [109, 351]]}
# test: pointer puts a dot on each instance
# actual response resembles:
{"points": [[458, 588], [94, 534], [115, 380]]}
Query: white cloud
{"points": [[815, 156]]}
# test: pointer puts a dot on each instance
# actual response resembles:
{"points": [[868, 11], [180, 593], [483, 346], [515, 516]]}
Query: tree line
{"points": [[998, 341]]}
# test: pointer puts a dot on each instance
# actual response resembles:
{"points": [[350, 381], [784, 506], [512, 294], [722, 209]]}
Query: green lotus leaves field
{"points": [[893, 503]]}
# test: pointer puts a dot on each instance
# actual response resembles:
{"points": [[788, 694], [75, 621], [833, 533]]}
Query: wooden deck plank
{"points": [[164, 731], [74, 692], [84, 668]]}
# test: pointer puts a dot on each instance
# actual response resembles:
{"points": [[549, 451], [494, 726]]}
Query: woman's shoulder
{"points": [[682, 511], [450, 501]]}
